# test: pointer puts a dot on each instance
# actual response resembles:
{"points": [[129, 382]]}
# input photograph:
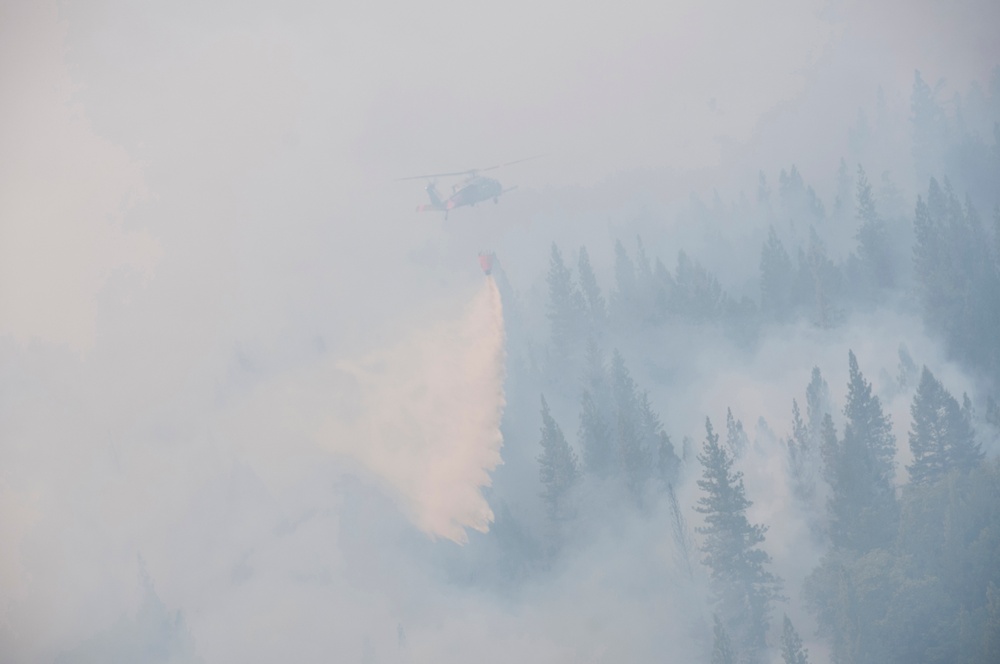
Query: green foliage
{"points": [[620, 433], [722, 647], [697, 294], [926, 595], [596, 309], [565, 306], [736, 437], [743, 588], [557, 467], [777, 279], [958, 278], [625, 296], [637, 428], [874, 250], [860, 470], [596, 416], [941, 436], [792, 651]]}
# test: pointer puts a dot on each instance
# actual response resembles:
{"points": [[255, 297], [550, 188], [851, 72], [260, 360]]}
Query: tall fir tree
{"points": [[597, 418], [818, 403], [777, 279], [792, 651], [842, 205], [736, 437], [722, 645], [596, 308], [558, 468], [742, 586], [565, 306], [941, 437], [624, 298], [635, 455], [874, 251], [800, 458], [861, 470]]}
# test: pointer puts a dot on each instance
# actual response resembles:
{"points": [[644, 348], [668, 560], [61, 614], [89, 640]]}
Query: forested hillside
{"points": [[880, 537]]}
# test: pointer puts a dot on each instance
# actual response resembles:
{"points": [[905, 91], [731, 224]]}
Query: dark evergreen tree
{"points": [[736, 437], [557, 467], [697, 294], [597, 312], [844, 197], [819, 281], [763, 192], [625, 296], [565, 306], [646, 286], [597, 416], [635, 451], [792, 651], [867, 422], [743, 588], [680, 531], [800, 458], [777, 279], [818, 403], [860, 469], [874, 250], [907, 372], [722, 646], [930, 131], [656, 443], [941, 437], [958, 278], [990, 650]]}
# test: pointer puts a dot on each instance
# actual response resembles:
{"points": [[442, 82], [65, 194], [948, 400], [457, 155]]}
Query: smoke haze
{"points": [[254, 408]]}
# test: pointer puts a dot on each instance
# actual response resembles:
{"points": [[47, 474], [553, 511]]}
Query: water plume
{"points": [[428, 417]]}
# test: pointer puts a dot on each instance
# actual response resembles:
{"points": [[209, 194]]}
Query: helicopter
{"points": [[475, 188]]}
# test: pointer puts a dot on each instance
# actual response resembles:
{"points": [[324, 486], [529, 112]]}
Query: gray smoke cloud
{"points": [[250, 401]]}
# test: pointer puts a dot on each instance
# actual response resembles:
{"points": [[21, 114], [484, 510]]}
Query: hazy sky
{"points": [[199, 216]]}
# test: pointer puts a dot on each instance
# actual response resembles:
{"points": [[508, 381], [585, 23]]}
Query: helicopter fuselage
{"points": [[475, 189]]}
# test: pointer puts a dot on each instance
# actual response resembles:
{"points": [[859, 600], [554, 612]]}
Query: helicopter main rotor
{"points": [[470, 172]]}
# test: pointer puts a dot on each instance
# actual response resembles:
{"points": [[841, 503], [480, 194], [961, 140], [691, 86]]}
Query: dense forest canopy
{"points": [[858, 483]]}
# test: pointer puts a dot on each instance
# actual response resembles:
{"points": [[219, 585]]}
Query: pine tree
{"points": [[800, 454], [697, 294], [763, 192], [655, 443], [929, 128], [736, 437], [842, 201], [777, 278], [597, 416], [941, 436], [860, 469], [557, 467], [792, 651], [597, 311], [817, 403], [722, 647], [634, 453], [990, 649], [645, 282], [866, 420], [624, 299], [874, 251], [565, 307], [742, 586]]}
